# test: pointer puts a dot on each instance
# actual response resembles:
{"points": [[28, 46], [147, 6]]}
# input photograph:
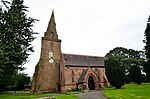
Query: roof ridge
{"points": [[82, 55]]}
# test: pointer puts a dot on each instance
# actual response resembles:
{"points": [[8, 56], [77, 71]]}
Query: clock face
{"points": [[51, 61]]}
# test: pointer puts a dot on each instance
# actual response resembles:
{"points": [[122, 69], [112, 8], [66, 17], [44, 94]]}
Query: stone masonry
{"points": [[58, 72]]}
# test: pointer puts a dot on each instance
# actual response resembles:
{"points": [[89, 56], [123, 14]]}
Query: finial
{"points": [[53, 12]]}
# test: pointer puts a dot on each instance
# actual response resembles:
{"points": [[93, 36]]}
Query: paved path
{"points": [[92, 95]]}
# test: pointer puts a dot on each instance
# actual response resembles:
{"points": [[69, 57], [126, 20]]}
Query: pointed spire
{"points": [[51, 32], [52, 14]]}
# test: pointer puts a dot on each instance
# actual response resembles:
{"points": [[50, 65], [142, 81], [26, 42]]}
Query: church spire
{"points": [[51, 33]]}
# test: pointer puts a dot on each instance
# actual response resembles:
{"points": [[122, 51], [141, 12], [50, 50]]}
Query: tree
{"points": [[115, 73], [17, 81], [16, 35], [135, 74], [21, 80], [147, 69], [126, 59], [147, 49]]}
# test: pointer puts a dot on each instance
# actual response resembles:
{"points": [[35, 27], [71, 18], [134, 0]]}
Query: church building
{"points": [[57, 71]]}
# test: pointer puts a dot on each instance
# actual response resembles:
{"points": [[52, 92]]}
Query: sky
{"points": [[89, 27]]}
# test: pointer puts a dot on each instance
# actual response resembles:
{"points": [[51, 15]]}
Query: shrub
{"points": [[115, 73]]}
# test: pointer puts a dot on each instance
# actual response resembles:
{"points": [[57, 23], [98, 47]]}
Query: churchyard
{"points": [[129, 91], [27, 95]]}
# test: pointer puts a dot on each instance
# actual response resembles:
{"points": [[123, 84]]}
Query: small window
{"points": [[73, 76], [51, 45]]}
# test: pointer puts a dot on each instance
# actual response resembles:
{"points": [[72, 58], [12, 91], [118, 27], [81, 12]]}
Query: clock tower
{"points": [[47, 71]]}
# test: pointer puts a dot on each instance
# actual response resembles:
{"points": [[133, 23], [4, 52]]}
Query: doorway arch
{"points": [[91, 83]]}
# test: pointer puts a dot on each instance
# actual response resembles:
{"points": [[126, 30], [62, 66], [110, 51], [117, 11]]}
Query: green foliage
{"points": [[27, 95], [16, 81], [144, 78], [127, 60], [115, 73], [7, 80], [147, 39], [21, 80], [129, 91], [16, 35], [77, 89], [147, 69], [147, 49], [135, 74]]}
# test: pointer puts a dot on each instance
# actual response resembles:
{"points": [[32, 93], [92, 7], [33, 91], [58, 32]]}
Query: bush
{"points": [[68, 92], [115, 73]]}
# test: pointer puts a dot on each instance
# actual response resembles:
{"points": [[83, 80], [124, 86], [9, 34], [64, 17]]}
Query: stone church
{"points": [[58, 72]]}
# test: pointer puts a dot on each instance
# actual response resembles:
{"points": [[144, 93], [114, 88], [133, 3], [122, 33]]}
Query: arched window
{"points": [[72, 76]]}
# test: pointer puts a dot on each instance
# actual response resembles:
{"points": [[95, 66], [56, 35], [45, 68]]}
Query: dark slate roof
{"points": [[83, 60], [82, 75]]}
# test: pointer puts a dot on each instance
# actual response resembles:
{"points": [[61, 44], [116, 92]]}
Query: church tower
{"points": [[47, 71]]}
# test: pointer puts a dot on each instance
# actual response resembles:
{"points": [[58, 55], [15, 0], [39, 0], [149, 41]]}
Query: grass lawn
{"points": [[26, 95], [129, 91], [66, 97]]}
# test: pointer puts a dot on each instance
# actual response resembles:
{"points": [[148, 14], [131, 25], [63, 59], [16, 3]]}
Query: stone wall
{"points": [[77, 71], [47, 74]]}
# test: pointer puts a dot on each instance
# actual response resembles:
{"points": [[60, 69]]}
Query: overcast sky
{"points": [[90, 27]]}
